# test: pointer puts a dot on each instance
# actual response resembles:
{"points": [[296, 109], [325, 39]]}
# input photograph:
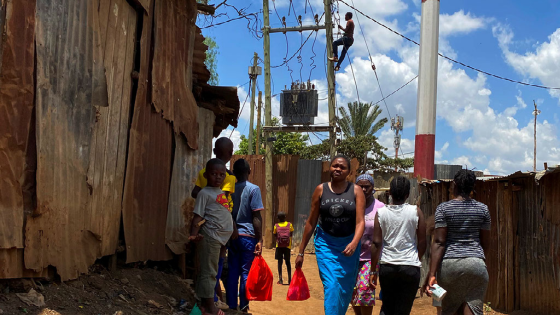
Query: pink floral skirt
{"points": [[364, 295]]}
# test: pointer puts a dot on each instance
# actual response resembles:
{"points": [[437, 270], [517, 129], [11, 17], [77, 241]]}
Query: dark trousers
{"points": [[344, 41], [283, 254], [240, 258], [400, 284]]}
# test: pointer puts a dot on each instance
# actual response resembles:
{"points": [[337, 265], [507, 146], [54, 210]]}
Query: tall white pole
{"points": [[427, 91]]}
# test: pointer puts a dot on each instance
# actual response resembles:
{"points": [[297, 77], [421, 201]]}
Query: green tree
{"points": [[286, 142], [211, 60], [359, 119]]}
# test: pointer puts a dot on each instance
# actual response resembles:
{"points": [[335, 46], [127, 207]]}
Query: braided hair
{"points": [[464, 182], [400, 189]]}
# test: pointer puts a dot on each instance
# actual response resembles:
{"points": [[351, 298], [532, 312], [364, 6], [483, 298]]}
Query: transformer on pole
{"points": [[427, 91]]}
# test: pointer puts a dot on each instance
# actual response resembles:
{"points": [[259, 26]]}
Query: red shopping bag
{"points": [[299, 290], [259, 281]]}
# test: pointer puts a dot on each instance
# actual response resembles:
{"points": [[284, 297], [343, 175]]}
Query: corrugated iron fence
{"points": [[98, 122], [524, 258]]}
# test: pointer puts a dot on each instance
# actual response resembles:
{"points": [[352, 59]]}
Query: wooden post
{"points": [[268, 220], [536, 113], [258, 146], [253, 76], [330, 76]]}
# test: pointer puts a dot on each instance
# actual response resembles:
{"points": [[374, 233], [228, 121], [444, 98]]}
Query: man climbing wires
{"points": [[346, 41]]}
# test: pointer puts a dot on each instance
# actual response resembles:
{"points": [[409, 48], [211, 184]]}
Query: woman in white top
{"points": [[400, 230]]}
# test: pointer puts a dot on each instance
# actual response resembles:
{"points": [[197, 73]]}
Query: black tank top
{"points": [[337, 213]]}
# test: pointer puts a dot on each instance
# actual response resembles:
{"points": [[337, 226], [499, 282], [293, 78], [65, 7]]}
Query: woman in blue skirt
{"points": [[338, 207]]}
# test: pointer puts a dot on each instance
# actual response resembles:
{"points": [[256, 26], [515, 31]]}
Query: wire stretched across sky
{"points": [[451, 59]]}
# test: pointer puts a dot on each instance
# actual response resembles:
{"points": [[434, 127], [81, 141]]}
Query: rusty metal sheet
{"points": [[110, 132], [12, 266], [284, 182], [146, 191], [186, 165], [68, 87], [171, 97], [16, 108]]}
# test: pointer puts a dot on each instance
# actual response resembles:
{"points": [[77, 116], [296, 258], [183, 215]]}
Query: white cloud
{"points": [[542, 64], [463, 161], [439, 154], [459, 23]]}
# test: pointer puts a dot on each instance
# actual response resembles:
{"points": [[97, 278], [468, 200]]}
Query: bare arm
{"points": [[257, 225], [360, 223], [195, 191], [421, 234], [438, 249], [375, 250], [195, 227], [310, 224]]}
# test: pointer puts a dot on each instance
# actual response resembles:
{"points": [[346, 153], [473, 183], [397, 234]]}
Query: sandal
{"points": [[336, 68], [333, 59], [280, 282]]}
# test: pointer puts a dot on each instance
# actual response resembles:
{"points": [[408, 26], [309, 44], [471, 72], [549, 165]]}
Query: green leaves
{"points": [[211, 60], [359, 119]]}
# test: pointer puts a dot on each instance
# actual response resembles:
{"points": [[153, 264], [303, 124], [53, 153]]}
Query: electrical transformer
{"points": [[300, 104]]}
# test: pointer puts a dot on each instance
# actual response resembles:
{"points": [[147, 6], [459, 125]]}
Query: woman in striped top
{"points": [[461, 238]]}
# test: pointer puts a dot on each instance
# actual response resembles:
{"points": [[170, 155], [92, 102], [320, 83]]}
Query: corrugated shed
{"points": [[16, 108], [186, 165], [110, 132], [308, 177], [68, 87], [173, 21], [443, 171]]}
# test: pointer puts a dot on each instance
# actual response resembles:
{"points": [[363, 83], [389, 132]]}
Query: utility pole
{"points": [[259, 128], [425, 143], [536, 112], [268, 220], [254, 71], [330, 77], [397, 126]]}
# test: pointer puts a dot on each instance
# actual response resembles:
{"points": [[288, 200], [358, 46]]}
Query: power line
{"points": [[378, 84], [255, 14], [242, 107], [451, 59], [395, 91]]}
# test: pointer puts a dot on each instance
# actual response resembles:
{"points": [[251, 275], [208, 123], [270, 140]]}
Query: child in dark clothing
{"points": [[283, 231]]}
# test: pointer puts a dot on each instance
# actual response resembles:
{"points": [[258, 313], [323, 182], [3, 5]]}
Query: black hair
{"points": [[400, 188], [213, 162], [241, 167], [282, 215], [341, 156], [349, 14], [464, 182], [222, 142]]}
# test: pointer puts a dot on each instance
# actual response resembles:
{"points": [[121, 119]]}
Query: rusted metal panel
{"points": [[110, 133], [12, 265], [145, 4], [171, 97], [67, 89], [16, 108], [284, 179], [186, 165], [308, 177]]}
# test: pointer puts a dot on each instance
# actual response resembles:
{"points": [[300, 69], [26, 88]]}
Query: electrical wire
{"points": [[241, 111], [255, 14], [395, 91], [453, 60]]}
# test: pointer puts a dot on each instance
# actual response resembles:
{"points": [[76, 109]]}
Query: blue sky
{"points": [[482, 122]]}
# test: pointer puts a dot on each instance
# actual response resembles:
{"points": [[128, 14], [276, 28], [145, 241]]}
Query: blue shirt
{"points": [[246, 199]]}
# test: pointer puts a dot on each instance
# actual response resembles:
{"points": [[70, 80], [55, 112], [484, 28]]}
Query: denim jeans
{"points": [[240, 258], [344, 41]]}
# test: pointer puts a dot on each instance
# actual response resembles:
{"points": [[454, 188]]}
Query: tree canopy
{"points": [[359, 119], [211, 60]]}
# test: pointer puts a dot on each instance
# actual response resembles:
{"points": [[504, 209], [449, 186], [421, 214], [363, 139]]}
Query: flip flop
{"points": [[280, 282], [336, 68]]}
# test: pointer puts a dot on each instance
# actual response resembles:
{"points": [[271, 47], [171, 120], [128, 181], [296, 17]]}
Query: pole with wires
{"points": [[330, 77], [536, 112], [253, 73], [268, 218], [427, 91]]}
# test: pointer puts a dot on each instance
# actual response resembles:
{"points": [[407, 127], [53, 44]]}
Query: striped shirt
{"points": [[463, 220]]}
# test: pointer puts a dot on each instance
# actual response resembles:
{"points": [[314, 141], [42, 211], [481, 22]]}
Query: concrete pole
{"points": [[330, 77], [427, 91], [259, 129], [253, 76], [268, 220]]}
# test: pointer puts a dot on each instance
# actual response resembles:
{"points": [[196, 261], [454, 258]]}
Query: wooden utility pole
{"points": [[259, 128], [253, 72], [268, 219], [330, 77], [536, 112]]}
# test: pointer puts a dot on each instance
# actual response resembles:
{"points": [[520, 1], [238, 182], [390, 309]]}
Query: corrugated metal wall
{"points": [[308, 177], [524, 257], [443, 171]]}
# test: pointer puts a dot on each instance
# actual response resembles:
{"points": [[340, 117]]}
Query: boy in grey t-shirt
{"points": [[211, 228]]}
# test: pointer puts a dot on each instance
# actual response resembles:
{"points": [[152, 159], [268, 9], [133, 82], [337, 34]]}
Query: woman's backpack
{"points": [[283, 235]]}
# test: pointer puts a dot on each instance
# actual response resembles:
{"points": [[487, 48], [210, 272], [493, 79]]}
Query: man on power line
{"points": [[347, 40]]}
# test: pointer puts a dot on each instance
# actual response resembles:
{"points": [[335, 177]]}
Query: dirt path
{"points": [[279, 305]]}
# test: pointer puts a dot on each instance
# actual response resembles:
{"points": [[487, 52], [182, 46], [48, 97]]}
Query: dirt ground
{"points": [[279, 305]]}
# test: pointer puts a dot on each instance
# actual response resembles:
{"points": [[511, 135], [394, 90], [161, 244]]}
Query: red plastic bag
{"points": [[259, 281], [299, 290]]}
